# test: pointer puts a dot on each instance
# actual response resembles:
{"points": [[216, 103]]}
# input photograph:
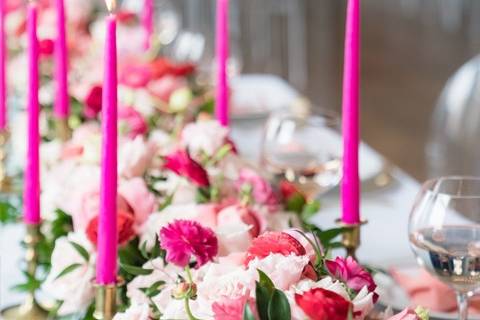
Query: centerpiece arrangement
{"points": [[148, 211]]}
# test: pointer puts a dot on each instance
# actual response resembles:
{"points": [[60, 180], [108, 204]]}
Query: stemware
{"points": [[304, 150], [444, 232]]}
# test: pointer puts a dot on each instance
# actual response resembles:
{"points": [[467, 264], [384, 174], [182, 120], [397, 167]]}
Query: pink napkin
{"points": [[426, 291]]}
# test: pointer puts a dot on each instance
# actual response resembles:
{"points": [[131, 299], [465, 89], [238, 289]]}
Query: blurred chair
{"points": [[454, 146]]}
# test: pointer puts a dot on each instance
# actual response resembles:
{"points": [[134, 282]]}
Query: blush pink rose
{"points": [[139, 199], [262, 191], [132, 122], [165, 86]]}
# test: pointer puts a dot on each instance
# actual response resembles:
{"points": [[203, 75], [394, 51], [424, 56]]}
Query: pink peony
{"points": [[132, 121], [232, 309], [349, 271], [182, 164], [262, 191], [93, 102], [183, 239], [406, 314], [274, 242]]}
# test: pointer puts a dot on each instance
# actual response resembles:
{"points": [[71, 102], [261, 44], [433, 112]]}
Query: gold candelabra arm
{"points": [[351, 239], [106, 300], [62, 129], [29, 309]]}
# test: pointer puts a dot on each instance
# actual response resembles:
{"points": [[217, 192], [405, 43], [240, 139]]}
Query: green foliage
{"points": [[81, 251], [30, 285], [248, 313], [295, 203], [68, 269], [135, 271], [272, 304], [8, 213], [154, 289]]}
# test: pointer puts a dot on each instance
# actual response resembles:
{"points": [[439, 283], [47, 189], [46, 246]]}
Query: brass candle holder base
{"points": [[62, 129], [106, 300], [5, 180], [29, 309], [351, 237]]}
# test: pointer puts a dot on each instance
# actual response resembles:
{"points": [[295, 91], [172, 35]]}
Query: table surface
{"points": [[384, 238]]}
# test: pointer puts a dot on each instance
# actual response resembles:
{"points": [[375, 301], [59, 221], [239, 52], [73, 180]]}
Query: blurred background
{"points": [[410, 49]]}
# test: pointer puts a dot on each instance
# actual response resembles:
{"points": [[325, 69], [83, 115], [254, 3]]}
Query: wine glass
{"points": [[444, 232], [304, 150]]}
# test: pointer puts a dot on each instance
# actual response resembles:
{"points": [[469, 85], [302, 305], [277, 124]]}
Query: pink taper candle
{"points": [[3, 67], [32, 170], [147, 21], [222, 39], [350, 189], [61, 108], [107, 227]]}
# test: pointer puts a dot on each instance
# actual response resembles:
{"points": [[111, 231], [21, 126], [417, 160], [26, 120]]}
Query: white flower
{"points": [[326, 283], [204, 137], [363, 303], [50, 153], [161, 272], [184, 192], [135, 312], [232, 232], [284, 271], [134, 157], [75, 288]]}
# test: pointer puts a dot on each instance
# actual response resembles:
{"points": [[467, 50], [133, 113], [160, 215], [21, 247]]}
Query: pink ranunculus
{"points": [[183, 165], [351, 272], [93, 102], [406, 314], [232, 309], [140, 200], [132, 122], [262, 192], [135, 75], [165, 86], [184, 239]]}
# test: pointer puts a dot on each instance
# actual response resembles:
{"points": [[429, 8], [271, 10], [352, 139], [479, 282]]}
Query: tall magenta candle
{"points": [[147, 21], [3, 68], [32, 170], [222, 39], [350, 188], [107, 228], [61, 107]]}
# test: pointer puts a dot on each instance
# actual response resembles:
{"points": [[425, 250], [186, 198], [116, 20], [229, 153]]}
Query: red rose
{"points": [[93, 102], [321, 304], [182, 164], [125, 222]]}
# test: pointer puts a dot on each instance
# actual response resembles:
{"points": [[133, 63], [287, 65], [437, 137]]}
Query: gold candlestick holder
{"points": [[62, 129], [106, 300], [5, 180], [29, 309], [351, 237]]}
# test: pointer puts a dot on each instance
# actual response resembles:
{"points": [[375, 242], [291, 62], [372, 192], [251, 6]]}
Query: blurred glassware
{"points": [[444, 232], [453, 146], [189, 46], [304, 150]]}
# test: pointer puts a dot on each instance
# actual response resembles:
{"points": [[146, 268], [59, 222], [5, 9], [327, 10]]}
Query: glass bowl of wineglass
{"points": [[304, 150], [444, 232]]}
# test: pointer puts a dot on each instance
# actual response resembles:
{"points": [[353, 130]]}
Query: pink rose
{"points": [[183, 165], [141, 201], [262, 191], [349, 271], [132, 122], [165, 86], [406, 314], [135, 75]]}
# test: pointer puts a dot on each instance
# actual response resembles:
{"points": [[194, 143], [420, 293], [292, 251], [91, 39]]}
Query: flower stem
{"points": [[189, 274], [189, 311]]}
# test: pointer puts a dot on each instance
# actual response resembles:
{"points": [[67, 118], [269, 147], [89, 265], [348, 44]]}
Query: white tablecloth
{"points": [[384, 238]]}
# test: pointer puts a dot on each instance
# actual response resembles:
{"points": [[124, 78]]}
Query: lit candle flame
{"points": [[111, 5]]}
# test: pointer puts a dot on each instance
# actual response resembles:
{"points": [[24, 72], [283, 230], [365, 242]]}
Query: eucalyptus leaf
{"points": [[68, 269]]}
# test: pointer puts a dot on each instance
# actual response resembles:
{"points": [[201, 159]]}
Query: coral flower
{"points": [[183, 239], [274, 242], [182, 164], [125, 222], [321, 304], [349, 271]]}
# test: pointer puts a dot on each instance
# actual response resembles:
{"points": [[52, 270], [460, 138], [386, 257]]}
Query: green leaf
{"points": [[154, 289], [262, 295], [328, 235], [265, 281], [68, 269], [136, 271], [31, 285], [279, 308], [81, 250], [143, 250], [168, 201], [8, 213], [295, 203], [247, 313], [309, 210]]}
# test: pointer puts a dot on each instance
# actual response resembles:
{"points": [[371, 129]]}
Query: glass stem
{"points": [[462, 303]]}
